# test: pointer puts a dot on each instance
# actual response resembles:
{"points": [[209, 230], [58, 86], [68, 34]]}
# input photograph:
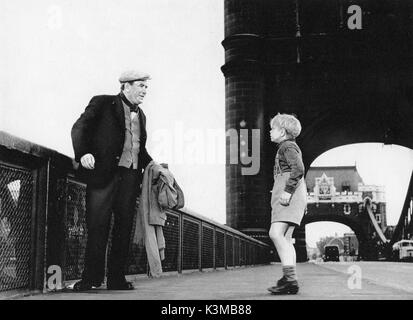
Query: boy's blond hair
{"points": [[288, 122]]}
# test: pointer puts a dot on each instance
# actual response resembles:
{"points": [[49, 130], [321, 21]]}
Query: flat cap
{"points": [[133, 75]]}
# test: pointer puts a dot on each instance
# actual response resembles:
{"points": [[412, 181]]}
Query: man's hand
{"points": [[88, 161], [285, 198]]}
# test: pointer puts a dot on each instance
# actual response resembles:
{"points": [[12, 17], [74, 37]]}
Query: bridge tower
{"points": [[346, 85], [339, 194]]}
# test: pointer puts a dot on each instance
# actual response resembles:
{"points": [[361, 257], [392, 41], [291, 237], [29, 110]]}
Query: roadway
{"points": [[330, 281]]}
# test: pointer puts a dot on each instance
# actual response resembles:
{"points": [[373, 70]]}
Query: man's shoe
{"points": [[288, 287], [125, 285], [84, 285]]}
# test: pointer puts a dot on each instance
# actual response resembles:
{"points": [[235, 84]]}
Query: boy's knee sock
{"points": [[290, 273]]}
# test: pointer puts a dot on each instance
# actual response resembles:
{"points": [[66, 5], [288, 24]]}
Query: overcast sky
{"points": [[56, 55]]}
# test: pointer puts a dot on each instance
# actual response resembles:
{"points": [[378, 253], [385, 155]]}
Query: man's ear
{"points": [[127, 87]]}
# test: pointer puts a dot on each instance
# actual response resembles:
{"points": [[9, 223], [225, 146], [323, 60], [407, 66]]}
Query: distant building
{"points": [[351, 244], [348, 244], [344, 189], [313, 253]]}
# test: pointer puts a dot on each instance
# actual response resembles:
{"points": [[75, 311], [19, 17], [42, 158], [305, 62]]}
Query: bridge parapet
{"points": [[43, 223]]}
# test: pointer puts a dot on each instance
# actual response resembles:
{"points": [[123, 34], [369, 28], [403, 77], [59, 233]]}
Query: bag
{"points": [[170, 195]]}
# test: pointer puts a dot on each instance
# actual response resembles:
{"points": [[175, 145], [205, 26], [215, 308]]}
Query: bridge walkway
{"points": [[318, 281]]}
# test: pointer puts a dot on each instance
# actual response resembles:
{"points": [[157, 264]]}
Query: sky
{"points": [[57, 54]]}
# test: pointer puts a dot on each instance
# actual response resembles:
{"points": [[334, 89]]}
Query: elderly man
{"points": [[109, 142]]}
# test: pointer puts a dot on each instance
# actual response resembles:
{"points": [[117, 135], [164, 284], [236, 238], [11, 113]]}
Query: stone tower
{"points": [[336, 66]]}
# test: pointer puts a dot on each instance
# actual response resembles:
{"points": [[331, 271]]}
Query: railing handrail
{"points": [[15, 143]]}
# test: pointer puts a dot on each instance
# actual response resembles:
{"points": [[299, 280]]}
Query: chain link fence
{"points": [[190, 246], [230, 251], [76, 230], [220, 249], [207, 247], [191, 242], [171, 234], [16, 201], [198, 245]]}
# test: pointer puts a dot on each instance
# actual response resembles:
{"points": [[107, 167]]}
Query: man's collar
{"points": [[132, 107]]}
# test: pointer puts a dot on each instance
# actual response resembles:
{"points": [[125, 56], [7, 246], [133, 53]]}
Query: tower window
{"points": [[345, 187]]}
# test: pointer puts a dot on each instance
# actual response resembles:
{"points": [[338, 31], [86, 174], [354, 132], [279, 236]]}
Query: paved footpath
{"points": [[380, 280]]}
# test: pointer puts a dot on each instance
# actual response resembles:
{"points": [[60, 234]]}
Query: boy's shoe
{"points": [[281, 281], [286, 287]]}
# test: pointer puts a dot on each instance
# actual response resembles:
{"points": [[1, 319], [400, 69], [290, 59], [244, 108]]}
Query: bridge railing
{"points": [[404, 228], [42, 224]]}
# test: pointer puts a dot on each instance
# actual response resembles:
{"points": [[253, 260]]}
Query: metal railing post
{"points": [[38, 228], [225, 250], [180, 246], [214, 241], [200, 246]]}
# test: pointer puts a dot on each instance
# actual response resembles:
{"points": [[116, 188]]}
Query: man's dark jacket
{"points": [[100, 130]]}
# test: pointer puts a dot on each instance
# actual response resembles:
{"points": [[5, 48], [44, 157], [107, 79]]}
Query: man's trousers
{"points": [[117, 196]]}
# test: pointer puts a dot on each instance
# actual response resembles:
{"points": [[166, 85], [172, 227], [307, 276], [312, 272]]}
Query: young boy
{"points": [[289, 198]]}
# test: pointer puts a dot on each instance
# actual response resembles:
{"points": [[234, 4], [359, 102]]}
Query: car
{"points": [[403, 250], [331, 253]]}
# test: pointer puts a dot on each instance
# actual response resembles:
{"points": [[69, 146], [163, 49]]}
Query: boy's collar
{"points": [[289, 139]]}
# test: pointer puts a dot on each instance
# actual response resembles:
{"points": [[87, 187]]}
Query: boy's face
{"points": [[277, 134]]}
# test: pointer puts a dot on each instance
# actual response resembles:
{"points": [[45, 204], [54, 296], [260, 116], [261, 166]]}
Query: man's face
{"points": [[136, 92]]}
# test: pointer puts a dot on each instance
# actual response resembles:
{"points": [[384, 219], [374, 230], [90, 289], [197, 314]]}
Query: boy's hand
{"points": [[285, 198]]}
